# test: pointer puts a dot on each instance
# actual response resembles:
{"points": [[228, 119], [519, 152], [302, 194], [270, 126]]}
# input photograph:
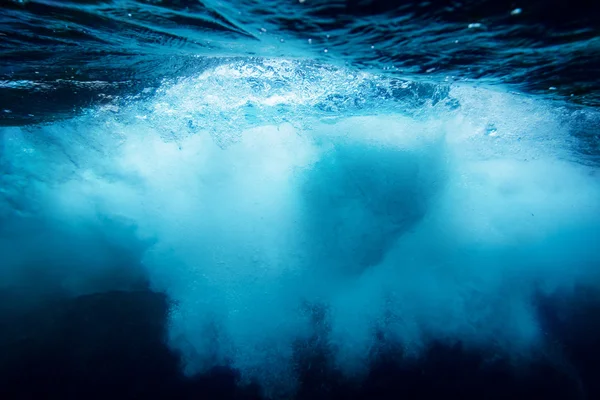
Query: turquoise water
{"points": [[277, 193]]}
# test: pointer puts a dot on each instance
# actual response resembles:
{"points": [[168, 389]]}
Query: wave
{"points": [[283, 205], [76, 54]]}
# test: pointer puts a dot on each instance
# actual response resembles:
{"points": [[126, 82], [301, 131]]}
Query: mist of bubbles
{"points": [[272, 212]]}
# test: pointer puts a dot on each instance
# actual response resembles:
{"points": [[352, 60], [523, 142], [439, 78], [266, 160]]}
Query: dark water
{"points": [[59, 56], [111, 345], [299, 199]]}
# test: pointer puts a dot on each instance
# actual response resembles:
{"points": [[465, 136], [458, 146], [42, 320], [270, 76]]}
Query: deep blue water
{"points": [[299, 199], [73, 53]]}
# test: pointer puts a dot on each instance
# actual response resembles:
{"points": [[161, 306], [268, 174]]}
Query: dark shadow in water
{"points": [[108, 345], [111, 345]]}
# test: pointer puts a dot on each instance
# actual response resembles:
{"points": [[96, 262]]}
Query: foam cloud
{"points": [[386, 226]]}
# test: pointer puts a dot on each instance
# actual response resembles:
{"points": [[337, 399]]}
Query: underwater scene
{"points": [[299, 199]]}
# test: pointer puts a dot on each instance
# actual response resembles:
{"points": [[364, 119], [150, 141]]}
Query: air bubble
{"points": [[491, 130]]}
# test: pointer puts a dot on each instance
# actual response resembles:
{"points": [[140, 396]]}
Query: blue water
{"points": [[375, 175]]}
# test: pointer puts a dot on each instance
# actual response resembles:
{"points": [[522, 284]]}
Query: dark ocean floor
{"points": [[111, 345]]}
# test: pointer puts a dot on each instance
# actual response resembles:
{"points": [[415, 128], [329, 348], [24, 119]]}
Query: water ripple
{"points": [[549, 48]]}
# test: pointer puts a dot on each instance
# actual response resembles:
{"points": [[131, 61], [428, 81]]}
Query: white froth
{"points": [[425, 229]]}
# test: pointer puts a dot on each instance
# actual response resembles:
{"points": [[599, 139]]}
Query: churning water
{"points": [[353, 179]]}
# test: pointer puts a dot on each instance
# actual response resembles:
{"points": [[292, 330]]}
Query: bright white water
{"points": [[274, 201]]}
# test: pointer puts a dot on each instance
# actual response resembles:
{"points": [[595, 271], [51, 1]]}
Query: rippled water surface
{"points": [[60, 55]]}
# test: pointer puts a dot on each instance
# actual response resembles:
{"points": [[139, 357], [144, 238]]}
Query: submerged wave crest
{"points": [[288, 208]]}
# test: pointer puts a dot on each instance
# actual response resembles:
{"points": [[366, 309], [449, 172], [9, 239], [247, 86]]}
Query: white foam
{"points": [[425, 229]]}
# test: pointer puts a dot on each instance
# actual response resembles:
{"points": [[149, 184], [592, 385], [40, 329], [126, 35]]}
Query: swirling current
{"points": [[299, 199]]}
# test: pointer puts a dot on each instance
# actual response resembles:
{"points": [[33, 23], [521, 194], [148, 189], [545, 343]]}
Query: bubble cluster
{"points": [[269, 219]]}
